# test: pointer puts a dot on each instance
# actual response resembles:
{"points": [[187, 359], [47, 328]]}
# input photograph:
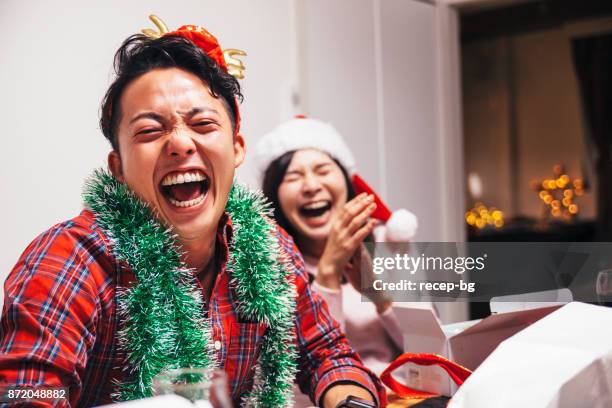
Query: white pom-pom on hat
{"points": [[401, 227]]}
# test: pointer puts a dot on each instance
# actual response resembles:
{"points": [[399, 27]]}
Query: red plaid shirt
{"points": [[59, 321]]}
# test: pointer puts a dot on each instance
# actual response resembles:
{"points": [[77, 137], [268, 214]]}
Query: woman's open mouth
{"points": [[185, 189], [315, 209]]}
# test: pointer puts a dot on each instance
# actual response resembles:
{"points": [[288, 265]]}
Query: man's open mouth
{"points": [[316, 209], [185, 189]]}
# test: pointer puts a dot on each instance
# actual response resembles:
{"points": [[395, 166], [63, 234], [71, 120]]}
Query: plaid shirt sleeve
{"points": [[49, 295], [326, 358]]}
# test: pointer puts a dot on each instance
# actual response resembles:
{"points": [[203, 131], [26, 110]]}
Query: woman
{"points": [[306, 168]]}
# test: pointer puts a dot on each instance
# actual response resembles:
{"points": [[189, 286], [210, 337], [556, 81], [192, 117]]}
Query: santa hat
{"points": [[305, 133]]}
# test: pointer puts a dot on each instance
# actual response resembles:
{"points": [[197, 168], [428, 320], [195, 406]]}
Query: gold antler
{"points": [[235, 67], [163, 29]]}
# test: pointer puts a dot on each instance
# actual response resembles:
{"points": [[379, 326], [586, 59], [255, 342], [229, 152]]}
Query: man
{"points": [[170, 265]]}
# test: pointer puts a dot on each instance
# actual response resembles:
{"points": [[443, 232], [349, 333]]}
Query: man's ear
{"points": [[114, 164], [239, 149]]}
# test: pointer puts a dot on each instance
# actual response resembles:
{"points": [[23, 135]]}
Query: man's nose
{"points": [[180, 144]]}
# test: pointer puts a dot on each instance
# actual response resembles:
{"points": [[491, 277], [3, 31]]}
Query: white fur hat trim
{"points": [[302, 133]]}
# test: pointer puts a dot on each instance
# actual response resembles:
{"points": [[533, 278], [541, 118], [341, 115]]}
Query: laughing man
{"points": [[170, 264]]}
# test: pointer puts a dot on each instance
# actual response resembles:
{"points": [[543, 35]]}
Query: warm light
{"points": [[558, 193], [480, 216]]}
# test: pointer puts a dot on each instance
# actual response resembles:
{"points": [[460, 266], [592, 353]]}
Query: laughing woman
{"points": [[307, 169]]}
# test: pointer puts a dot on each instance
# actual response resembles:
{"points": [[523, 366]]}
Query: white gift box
{"points": [[562, 361], [466, 343]]}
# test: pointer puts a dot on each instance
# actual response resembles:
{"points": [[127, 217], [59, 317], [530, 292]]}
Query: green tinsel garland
{"points": [[163, 325], [266, 294]]}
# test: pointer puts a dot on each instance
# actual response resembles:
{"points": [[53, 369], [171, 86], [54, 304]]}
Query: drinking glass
{"points": [[204, 387], [603, 287]]}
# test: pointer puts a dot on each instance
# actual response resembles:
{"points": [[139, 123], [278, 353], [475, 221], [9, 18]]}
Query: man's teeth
{"points": [[315, 206], [189, 203], [181, 178]]}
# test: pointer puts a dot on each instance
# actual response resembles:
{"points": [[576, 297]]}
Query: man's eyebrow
{"points": [[194, 111], [150, 115]]}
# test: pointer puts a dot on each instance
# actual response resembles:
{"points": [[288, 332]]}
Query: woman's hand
{"points": [[360, 274], [348, 231]]}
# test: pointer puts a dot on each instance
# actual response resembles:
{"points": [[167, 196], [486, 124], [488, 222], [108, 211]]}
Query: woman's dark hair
{"points": [[273, 177], [140, 54]]}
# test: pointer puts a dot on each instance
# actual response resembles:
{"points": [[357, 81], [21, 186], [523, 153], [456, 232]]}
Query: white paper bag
{"points": [[562, 361]]}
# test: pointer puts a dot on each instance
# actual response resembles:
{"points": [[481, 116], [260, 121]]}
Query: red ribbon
{"points": [[458, 373]]}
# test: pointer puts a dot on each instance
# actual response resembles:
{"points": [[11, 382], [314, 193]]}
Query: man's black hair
{"points": [[140, 54]]}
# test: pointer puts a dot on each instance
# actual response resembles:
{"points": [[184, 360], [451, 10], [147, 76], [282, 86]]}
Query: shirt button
{"points": [[217, 345]]}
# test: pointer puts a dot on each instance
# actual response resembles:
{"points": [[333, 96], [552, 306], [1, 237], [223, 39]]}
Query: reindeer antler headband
{"points": [[207, 42]]}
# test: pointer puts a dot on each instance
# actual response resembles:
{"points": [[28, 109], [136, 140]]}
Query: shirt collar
{"points": [[225, 233]]}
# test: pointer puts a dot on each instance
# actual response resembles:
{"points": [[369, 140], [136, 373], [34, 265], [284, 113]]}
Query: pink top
{"points": [[376, 337]]}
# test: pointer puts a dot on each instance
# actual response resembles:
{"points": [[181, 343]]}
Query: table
{"points": [[395, 401]]}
